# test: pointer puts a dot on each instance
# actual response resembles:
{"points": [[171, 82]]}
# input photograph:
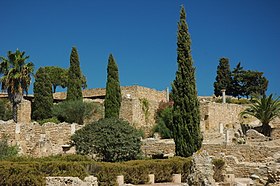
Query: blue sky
{"points": [[141, 35]]}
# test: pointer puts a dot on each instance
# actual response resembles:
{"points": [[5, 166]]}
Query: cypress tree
{"points": [[186, 116], [74, 85], [43, 98], [223, 78], [113, 91]]}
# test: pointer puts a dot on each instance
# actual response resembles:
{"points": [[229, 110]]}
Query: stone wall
{"points": [[152, 146], [24, 111], [214, 114], [244, 160], [36, 140]]}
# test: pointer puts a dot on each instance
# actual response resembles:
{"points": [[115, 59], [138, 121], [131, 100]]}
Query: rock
{"points": [[201, 171], [253, 135], [254, 177]]}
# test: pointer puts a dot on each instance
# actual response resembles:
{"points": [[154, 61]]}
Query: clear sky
{"points": [[141, 35]]}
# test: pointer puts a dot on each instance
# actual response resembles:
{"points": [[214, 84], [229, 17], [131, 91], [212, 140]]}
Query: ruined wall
{"points": [[244, 160], [36, 140], [152, 146], [212, 114], [71, 181], [24, 111]]}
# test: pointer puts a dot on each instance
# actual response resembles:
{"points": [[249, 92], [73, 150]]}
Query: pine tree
{"points": [[113, 91], [43, 99], [223, 78], [74, 85], [186, 116]]}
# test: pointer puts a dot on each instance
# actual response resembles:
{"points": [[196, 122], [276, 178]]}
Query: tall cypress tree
{"points": [[74, 85], [113, 91], [223, 78], [43, 98], [186, 116]]}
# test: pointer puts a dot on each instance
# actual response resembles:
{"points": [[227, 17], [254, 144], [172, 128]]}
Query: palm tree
{"points": [[16, 77], [265, 109]]}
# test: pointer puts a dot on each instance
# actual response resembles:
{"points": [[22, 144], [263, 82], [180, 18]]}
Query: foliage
{"points": [[164, 120], [74, 85], [43, 98], [186, 119], [51, 120], [265, 109], [5, 110], [247, 82], [113, 96], [70, 111], [145, 108], [223, 78], [7, 151], [241, 101], [219, 166], [32, 171], [110, 138], [59, 77], [16, 77]]}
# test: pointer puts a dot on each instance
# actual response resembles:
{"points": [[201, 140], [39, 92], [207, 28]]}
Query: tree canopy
{"points": [[15, 77], [186, 116], [113, 91]]}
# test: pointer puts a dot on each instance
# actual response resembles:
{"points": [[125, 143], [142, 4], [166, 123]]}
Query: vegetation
{"points": [[145, 108], [113, 96], [16, 77], [32, 171], [6, 112], [7, 151], [74, 85], [239, 82], [186, 119], [164, 120], [43, 98], [72, 111], [110, 138], [59, 77], [219, 166], [223, 78], [265, 109]]}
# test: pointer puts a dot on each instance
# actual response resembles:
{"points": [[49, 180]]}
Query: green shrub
{"points": [[69, 111], [164, 121], [52, 120], [110, 138], [6, 112], [219, 166], [32, 171], [7, 151]]}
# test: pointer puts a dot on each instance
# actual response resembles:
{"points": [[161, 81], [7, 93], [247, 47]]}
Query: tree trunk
{"points": [[266, 129], [15, 106]]}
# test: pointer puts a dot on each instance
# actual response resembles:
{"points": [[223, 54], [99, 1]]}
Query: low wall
{"points": [[39, 140], [152, 146], [71, 181]]}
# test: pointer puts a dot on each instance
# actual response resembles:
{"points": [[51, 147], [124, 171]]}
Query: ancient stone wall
{"points": [[24, 111], [214, 114], [152, 146], [36, 140]]}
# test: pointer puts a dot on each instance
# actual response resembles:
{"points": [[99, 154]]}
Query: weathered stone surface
{"points": [[24, 112], [255, 136], [152, 146], [71, 181], [202, 170]]}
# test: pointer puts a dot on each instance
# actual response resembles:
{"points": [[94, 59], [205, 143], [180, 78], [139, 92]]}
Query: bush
{"points": [[111, 139], [52, 120], [6, 112], [164, 121], [7, 151], [219, 166], [70, 111]]}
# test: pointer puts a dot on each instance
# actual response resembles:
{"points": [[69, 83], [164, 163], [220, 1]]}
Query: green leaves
{"points": [[113, 91], [265, 109], [110, 138], [186, 119]]}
